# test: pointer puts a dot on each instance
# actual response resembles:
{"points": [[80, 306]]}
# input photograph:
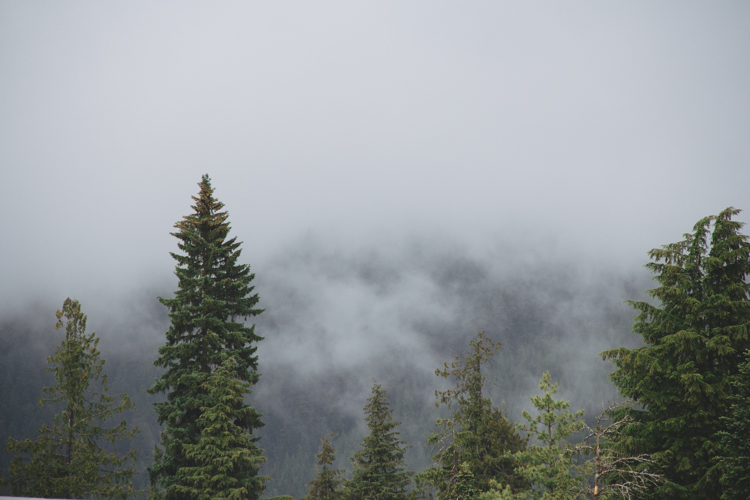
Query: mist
{"points": [[401, 176], [593, 130], [335, 320]]}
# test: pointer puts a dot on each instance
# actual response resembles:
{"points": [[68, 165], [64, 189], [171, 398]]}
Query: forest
{"points": [[206, 393]]}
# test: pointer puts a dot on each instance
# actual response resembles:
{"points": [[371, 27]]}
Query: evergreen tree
{"points": [[379, 467], [735, 440], [69, 461], [226, 456], [477, 433], [552, 466], [684, 377], [327, 482], [207, 313]]}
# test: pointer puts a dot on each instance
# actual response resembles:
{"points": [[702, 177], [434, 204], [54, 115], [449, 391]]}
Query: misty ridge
{"points": [[336, 318]]}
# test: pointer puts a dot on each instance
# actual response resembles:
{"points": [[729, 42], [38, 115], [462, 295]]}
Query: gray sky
{"points": [[402, 174], [593, 129]]}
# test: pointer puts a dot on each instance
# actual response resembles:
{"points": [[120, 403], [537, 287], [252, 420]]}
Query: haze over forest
{"points": [[401, 176]]}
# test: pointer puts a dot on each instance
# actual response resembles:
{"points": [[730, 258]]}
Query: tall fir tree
{"points": [[327, 482], [207, 314], [379, 468], [476, 434], [684, 377], [76, 459]]}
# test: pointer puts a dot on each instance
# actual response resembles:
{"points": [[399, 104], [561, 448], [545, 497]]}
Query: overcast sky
{"points": [[596, 130]]}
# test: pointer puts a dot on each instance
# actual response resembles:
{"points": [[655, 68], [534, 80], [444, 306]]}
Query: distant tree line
{"points": [[682, 430]]}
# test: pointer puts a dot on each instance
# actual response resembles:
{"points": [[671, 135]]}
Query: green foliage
{"points": [[498, 492], [226, 456], [684, 377], [68, 460], [327, 482], [464, 488], [735, 440], [477, 433], [552, 465], [207, 315], [379, 467]]}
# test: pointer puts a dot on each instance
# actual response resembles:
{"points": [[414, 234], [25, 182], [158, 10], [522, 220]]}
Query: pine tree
{"points": [[226, 458], [327, 482], [683, 378], [552, 466], [70, 460], [477, 433], [735, 440], [207, 313], [379, 467]]}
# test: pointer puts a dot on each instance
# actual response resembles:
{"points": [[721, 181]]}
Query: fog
{"points": [[595, 130], [334, 320], [401, 174]]}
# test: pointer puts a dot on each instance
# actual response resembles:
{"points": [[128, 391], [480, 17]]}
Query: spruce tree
{"points": [[327, 482], [684, 377], [207, 314], [379, 467], [477, 433], [76, 459]]}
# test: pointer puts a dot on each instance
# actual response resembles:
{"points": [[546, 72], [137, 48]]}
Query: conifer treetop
{"points": [[70, 460], [476, 433], [683, 378], [327, 482], [379, 467], [208, 315]]}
